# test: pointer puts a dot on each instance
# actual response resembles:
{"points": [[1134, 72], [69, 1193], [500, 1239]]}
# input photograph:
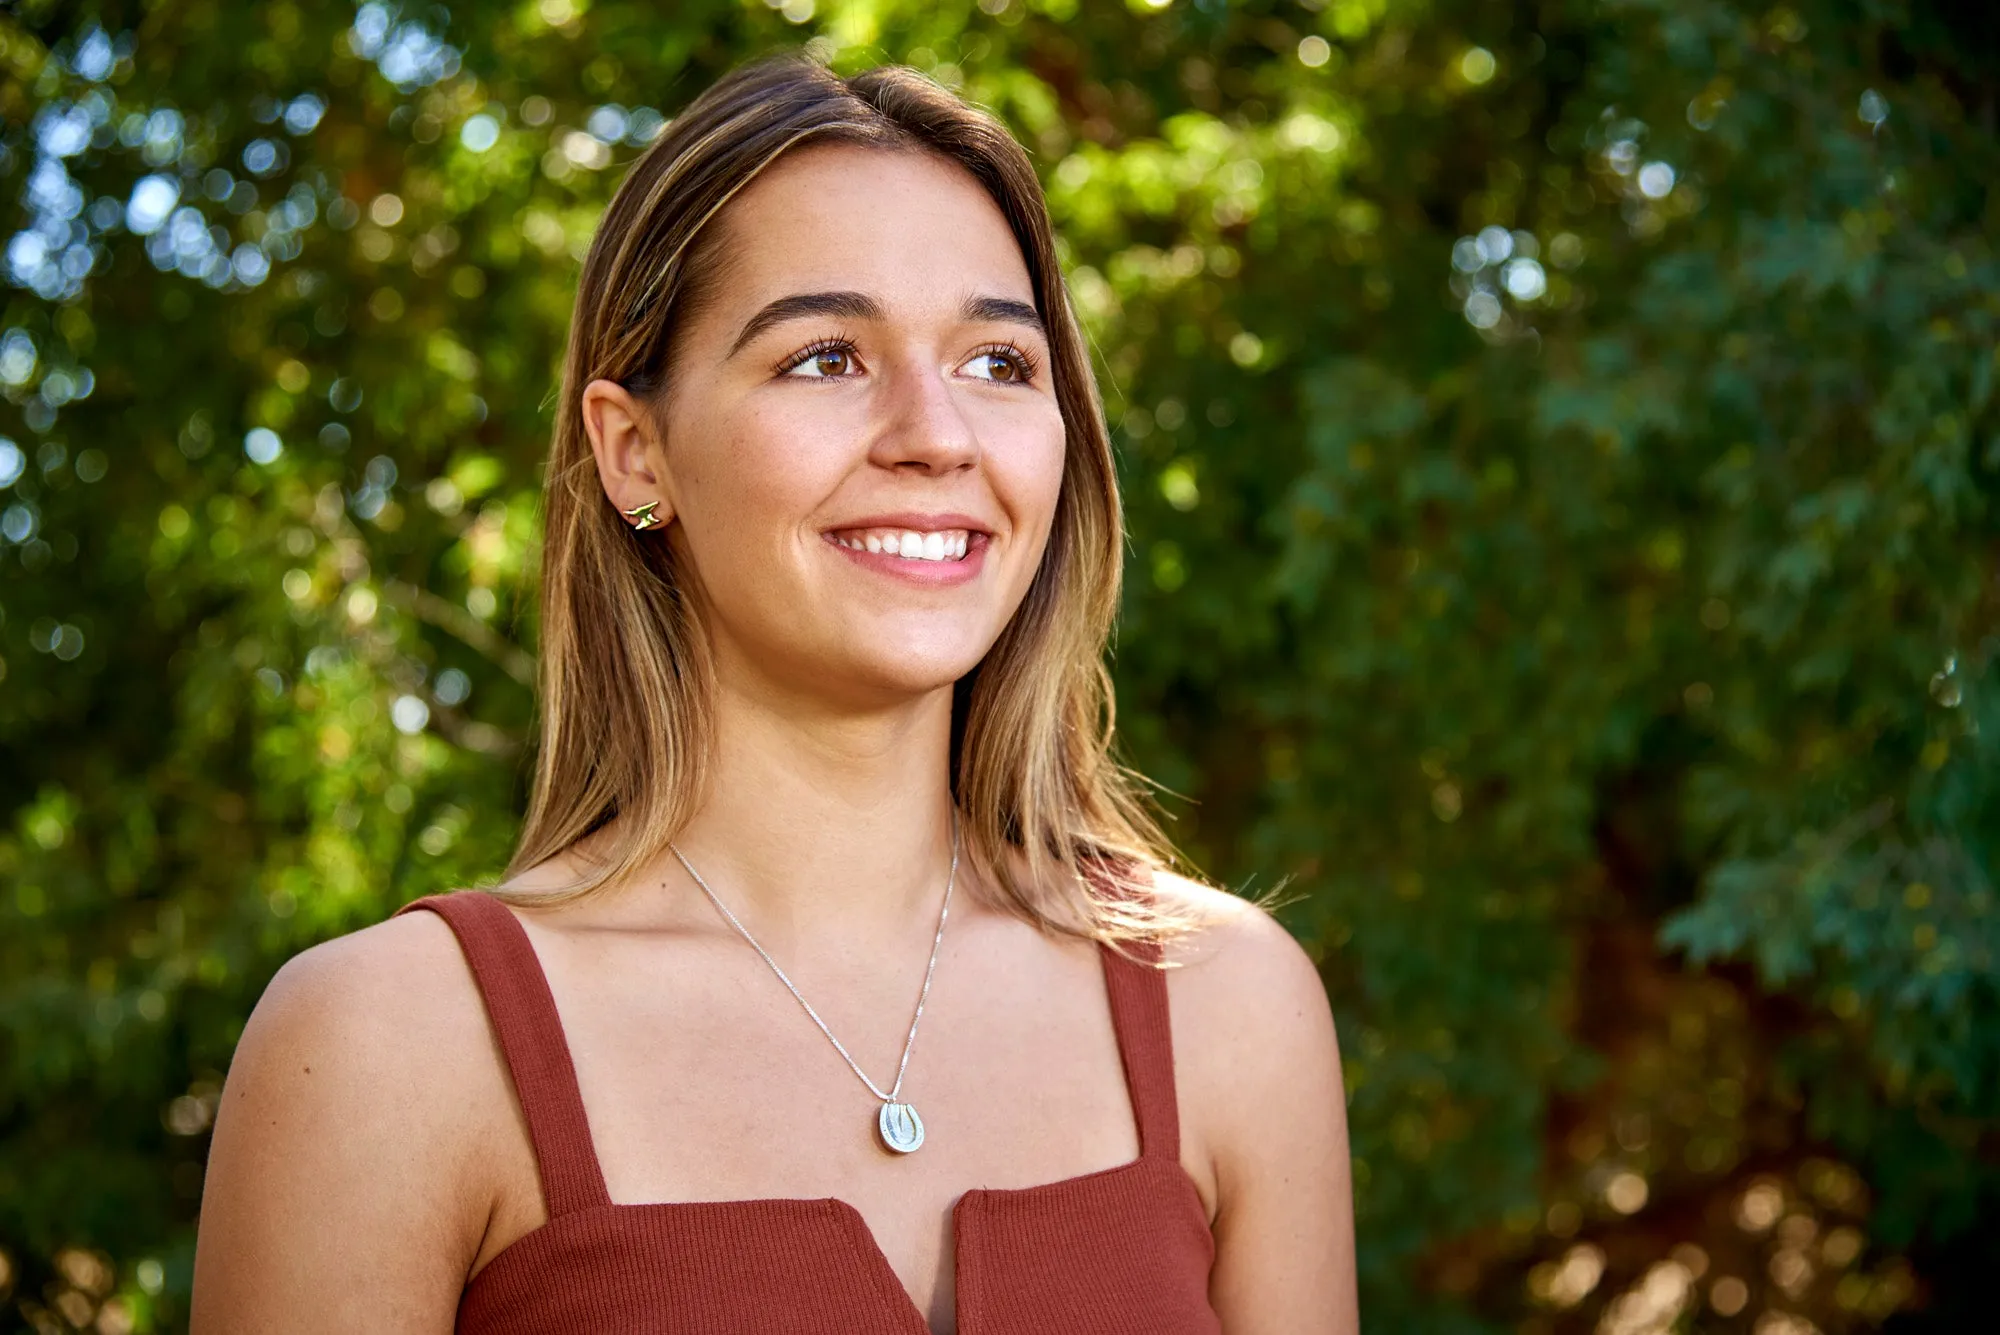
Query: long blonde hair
{"points": [[1054, 821]]}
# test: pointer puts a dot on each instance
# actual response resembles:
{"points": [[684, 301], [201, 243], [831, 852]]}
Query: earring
{"points": [[642, 516]]}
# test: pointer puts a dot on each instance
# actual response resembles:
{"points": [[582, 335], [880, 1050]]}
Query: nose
{"points": [[926, 431]]}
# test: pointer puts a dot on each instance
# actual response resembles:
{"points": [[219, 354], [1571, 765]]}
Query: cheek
{"points": [[748, 478], [1028, 472]]}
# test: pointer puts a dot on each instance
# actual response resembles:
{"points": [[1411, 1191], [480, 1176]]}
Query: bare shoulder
{"points": [[373, 1041], [1253, 1032], [1236, 957], [349, 1133], [394, 996], [1263, 1114]]}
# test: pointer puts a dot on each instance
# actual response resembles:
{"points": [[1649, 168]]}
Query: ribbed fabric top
{"points": [[1124, 1251]]}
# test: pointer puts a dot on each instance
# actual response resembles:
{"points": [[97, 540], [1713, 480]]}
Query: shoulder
{"points": [[362, 1100], [1235, 957], [1263, 1114], [372, 996], [377, 1033], [1254, 1041], [384, 1030]]}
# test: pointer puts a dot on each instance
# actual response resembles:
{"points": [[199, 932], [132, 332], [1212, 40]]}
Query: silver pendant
{"points": [[902, 1130]]}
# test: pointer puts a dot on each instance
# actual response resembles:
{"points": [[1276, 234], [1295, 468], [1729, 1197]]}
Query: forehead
{"points": [[904, 224]]}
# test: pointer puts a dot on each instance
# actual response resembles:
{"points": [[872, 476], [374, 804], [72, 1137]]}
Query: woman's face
{"points": [[862, 448]]}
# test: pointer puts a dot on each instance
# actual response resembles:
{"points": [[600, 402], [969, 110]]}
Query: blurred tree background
{"points": [[1563, 464]]}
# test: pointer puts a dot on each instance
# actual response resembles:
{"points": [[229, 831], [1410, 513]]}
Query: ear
{"points": [[631, 462]]}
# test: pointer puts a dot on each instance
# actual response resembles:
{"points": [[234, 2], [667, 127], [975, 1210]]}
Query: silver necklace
{"points": [[896, 1121]]}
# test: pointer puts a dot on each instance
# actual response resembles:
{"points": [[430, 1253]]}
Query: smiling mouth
{"points": [[949, 544]]}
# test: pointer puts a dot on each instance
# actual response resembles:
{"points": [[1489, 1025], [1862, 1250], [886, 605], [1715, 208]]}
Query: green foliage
{"points": [[1562, 456]]}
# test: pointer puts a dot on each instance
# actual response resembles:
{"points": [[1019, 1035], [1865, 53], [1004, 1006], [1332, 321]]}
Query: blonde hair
{"points": [[1054, 821]]}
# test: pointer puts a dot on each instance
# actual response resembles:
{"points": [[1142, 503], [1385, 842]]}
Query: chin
{"points": [[911, 675], [878, 663]]}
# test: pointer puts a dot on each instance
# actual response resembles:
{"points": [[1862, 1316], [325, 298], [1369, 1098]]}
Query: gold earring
{"points": [[642, 516]]}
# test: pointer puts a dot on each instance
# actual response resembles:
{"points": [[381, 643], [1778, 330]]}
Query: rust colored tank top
{"points": [[1124, 1250]]}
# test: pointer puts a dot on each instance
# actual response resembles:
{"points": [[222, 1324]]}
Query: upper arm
{"points": [[1265, 1111], [337, 1194]]}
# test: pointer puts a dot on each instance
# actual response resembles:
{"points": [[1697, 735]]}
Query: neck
{"points": [[816, 822]]}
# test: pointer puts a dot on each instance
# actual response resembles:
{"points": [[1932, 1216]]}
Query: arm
{"points": [[1264, 1112], [341, 1194]]}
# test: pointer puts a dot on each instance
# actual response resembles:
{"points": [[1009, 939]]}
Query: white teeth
{"points": [[943, 545]]}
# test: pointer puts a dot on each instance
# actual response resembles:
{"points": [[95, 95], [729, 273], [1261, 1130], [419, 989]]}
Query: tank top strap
{"points": [[524, 1018], [1138, 991]]}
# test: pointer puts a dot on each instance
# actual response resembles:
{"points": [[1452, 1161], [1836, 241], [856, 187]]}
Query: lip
{"points": [[924, 574]]}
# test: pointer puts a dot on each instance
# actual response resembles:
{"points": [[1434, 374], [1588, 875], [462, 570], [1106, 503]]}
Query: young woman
{"points": [[838, 984]]}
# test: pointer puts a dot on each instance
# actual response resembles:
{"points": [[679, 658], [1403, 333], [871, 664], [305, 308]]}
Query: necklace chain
{"points": [[922, 996]]}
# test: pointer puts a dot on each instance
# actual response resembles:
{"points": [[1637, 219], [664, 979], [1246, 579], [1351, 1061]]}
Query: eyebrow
{"points": [[861, 306], [1001, 310]]}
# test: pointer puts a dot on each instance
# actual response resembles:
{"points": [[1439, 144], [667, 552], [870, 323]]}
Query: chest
{"points": [[705, 1081]]}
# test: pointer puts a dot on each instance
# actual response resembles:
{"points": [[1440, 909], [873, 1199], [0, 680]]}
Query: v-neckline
{"points": [[885, 1269], [861, 1235]]}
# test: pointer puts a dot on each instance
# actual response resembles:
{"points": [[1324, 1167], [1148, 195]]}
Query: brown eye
{"points": [[824, 361], [1001, 366]]}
